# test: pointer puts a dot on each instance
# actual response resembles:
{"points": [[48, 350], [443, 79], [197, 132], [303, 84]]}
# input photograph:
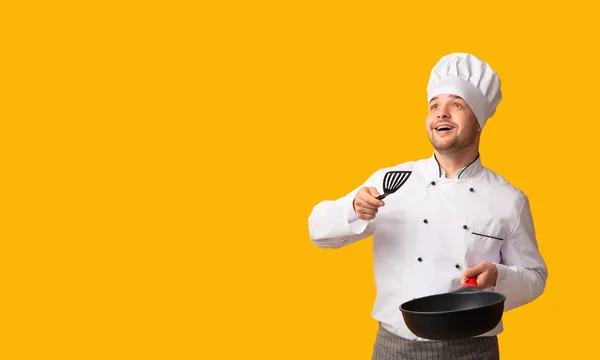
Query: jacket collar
{"points": [[471, 170]]}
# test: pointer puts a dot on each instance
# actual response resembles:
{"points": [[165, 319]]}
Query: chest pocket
{"points": [[483, 240]]}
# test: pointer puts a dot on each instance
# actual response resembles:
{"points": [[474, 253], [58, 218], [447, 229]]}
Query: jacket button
{"points": [[457, 266], [419, 259], [425, 221], [471, 190], [433, 183], [465, 227]]}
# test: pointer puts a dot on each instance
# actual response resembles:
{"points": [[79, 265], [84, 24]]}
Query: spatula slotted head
{"points": [[392, 181]]}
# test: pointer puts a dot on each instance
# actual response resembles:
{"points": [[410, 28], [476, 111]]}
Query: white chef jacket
{"points": [[434, 228]]}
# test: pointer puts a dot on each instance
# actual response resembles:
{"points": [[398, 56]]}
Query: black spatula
{"points": [[392, 181]]}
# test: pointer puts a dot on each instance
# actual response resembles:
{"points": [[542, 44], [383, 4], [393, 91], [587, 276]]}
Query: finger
{"points": [[368, 211], [375, 195], [365, 205], [373, 192], [371, 200], [465, 278], [483, 281], [366, 216], [474, 271]]}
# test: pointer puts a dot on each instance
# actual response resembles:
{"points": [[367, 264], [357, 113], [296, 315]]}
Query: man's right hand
{"points": [[366, 204]]}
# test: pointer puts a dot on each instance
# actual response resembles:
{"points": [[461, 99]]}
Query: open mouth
{"points": [[444, 128]]}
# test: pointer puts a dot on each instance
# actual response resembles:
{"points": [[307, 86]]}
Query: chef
{"points": [[452, 219]]}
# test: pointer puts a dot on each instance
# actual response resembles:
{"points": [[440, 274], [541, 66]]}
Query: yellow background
{"points": [[160, 161]]}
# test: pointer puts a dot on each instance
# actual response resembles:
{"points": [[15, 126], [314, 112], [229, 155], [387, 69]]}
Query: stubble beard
{"points": [[455, 146]]}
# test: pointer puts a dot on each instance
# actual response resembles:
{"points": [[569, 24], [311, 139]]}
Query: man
{"points": [[452, 219]]}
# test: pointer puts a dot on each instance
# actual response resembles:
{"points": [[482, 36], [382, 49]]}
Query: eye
{"points": [[457, 105], [433, 107]]}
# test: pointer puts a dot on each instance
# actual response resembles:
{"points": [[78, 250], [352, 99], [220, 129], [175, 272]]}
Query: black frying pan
{"points": [[459, 314]]}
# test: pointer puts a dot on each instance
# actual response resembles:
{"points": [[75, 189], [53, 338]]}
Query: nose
{"points": [[443, 115]]}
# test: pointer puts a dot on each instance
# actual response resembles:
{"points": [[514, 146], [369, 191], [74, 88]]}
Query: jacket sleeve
{"points": [[522, 272], [334, 223]]}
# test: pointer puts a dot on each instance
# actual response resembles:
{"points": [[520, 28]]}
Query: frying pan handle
{"points": [[471, 282]]}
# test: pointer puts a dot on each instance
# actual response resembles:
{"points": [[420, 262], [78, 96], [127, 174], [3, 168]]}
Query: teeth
{"points": [[444, 128]]}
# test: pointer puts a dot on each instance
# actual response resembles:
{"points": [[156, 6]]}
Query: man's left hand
{"points": [[485, 272]]}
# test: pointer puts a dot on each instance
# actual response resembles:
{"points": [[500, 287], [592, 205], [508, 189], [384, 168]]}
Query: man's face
{"points": [[451, 125]]}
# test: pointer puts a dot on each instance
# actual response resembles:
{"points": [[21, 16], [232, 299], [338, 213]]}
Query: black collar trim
{"points": [[471, 163], [439, 166]]}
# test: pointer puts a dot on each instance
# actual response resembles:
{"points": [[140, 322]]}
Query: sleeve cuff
{"points": [[356, 225], [502, 272]]}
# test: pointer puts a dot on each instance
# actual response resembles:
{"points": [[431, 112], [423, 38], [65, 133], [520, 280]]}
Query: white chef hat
{"points": [[470, 78]]}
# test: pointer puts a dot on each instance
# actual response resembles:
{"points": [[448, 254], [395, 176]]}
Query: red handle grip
{"points": [[471, 282]]}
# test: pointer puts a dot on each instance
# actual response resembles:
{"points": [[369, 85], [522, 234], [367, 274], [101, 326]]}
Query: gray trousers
{"points": [[389, 346]]}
